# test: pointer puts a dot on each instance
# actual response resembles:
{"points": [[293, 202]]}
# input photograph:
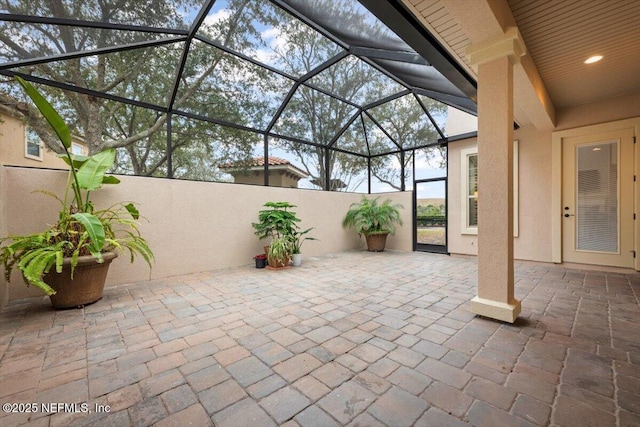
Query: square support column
{"points": [[494, 60]]}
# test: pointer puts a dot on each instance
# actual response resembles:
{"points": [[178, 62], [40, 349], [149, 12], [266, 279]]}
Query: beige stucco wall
{"points": [[192, 226], [12, 145], [277, 178], [608, 110], [458, 243], [535, 239]]}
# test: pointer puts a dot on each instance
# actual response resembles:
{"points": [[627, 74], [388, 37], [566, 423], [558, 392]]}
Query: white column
{"points": [[494, 59]]}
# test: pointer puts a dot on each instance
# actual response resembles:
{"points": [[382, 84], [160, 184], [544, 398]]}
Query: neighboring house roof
{"points": [[257, 164]]}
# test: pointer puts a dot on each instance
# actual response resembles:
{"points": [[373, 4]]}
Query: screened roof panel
{"points": [[267, 34], [437, 110], [176, 14], [355, 80], [405, 121], [27, 41], [377, 140], [313, 116], [419, 75], [221, 86], [350, 22], [137, 74], [353, 139]]}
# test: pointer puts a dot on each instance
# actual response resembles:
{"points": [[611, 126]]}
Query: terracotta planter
{"points": [[275, 264], [87, 284], [376, 242]]}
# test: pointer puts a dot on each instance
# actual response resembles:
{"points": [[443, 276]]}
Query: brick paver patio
{"points": [[355, 338]]}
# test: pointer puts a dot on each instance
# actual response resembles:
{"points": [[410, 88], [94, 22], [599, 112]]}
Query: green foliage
{"points": [[279, 252], [298, 238], [370, 217], [281, 224], [81, 230], [431, 210], [277, 221]]}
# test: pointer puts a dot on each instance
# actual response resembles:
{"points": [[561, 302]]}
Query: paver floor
{"points": [[355, 338]]}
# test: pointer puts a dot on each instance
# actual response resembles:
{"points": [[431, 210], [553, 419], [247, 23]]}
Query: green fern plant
{"points": [[371, 217], [81, 229]]}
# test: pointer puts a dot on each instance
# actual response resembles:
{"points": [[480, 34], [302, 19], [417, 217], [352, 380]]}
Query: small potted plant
{"points": [[374, 220], [279, 252], [261, 260], [69, 261], [297, 238]]}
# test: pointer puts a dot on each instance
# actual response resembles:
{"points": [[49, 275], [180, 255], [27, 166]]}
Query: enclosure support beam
{"points": [[266, 160], [169, 146], [494, 59]]}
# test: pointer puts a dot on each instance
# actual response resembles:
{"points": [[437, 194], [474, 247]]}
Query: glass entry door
{"points": [[430, 215], [597, 198]]}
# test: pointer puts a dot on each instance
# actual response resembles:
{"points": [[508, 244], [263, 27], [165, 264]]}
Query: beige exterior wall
{"points": [[536, 186], [12, 145], [277, 178], [192, 226]]}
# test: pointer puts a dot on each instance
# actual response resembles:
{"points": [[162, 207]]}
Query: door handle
{"points": [[568, 215]]}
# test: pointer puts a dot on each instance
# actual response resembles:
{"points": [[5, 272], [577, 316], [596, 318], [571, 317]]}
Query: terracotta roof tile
{"points": [[259, 161]]}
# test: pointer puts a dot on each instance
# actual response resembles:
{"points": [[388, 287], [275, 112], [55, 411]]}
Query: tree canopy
{"points": [[207, 95]]}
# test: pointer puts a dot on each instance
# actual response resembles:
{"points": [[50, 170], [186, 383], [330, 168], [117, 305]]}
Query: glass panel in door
{"points": [[431, 215]]}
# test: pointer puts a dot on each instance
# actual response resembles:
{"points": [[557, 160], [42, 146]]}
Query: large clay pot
{"points": [[87, 284], [376, 242]]}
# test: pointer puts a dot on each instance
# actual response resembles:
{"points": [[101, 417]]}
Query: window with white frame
{"points": [[469, 180], [32, 144], [77, 149]]}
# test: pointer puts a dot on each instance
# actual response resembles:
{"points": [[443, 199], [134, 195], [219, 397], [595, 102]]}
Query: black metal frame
{"points": [[424, 247], [391, 12]]}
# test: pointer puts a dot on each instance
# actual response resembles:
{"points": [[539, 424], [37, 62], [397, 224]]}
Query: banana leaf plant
{"points": [[81, 229]]}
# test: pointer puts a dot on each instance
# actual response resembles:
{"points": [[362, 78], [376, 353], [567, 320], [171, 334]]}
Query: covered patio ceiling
{"points": [[320, 73]]}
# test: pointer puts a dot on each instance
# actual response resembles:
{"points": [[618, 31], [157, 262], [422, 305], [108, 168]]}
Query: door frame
{"points": [[556, 179], [424, 247]]}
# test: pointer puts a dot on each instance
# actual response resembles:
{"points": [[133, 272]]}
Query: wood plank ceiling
{"points": [[560, 35]]}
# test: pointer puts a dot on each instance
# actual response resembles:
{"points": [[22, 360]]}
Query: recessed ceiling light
{"points": [[592, 59]]}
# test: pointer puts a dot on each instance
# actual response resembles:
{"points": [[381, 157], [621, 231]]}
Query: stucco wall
{"points": [[534, 197], [458, 243], [608, 110], [277, 178], [192, 226], [535, 238], [12, 145]]}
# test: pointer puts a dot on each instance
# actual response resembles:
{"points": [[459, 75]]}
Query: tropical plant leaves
{"points": [[49, 113], [92, 172], [95, 230]]}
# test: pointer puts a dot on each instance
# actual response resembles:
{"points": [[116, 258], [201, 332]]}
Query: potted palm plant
{"points": [[374, 220], [70, 260]]}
